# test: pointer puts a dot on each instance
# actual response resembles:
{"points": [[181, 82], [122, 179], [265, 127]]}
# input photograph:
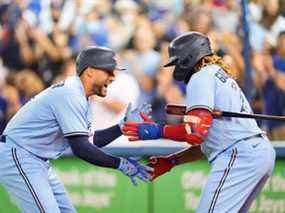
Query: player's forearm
{"points": [[88, 152], [104, 137], [188, 155]]}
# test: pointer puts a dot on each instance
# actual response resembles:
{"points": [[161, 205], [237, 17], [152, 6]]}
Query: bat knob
{"points": [[217, 113]]}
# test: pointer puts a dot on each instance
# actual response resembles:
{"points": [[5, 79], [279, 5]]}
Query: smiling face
{"points": [[96, 81]]}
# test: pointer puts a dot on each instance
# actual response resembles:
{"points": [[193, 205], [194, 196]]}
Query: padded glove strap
{"points": [[195, 127]]}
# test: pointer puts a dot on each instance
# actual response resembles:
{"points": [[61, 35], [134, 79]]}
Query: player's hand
{"points": [[133, 169], [161, 165], [146, 130], [134, 115]]}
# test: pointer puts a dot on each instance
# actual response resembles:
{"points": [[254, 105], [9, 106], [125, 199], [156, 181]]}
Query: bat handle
{"points": [[217, 113]]}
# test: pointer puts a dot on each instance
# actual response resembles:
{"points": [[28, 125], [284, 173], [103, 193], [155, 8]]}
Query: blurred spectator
{"points": [[28, 84], [68, 69], [269, 76], [167, 92], [39, 39], [10, 50], [264, 31], [10, 97], [228, 46], [226, 18], [3, 101], [274, 88], [3, 113], [128, 12], [202, 20], [143, 62], [259, 76]]}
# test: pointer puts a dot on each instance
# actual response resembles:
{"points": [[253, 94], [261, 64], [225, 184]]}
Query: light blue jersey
{"points": [[241, 158], [212, 88], [59, 111]]}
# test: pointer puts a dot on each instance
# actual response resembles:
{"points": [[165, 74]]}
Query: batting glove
{"points": [[134, 115], [133, 169], [161, 165], [147, 130]]}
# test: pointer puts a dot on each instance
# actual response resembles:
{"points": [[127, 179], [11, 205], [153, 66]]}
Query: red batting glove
{"points": [[146, 118], [161, 165], [130, 129]]}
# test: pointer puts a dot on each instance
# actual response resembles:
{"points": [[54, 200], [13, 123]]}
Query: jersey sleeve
{"points": [[71, 114], [201, 90]]}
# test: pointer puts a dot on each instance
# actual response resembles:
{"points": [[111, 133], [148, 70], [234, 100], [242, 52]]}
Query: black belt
{"points": [[3, 140]]}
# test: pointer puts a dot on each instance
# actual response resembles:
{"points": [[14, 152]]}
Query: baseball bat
{"points": [[175, 109]]}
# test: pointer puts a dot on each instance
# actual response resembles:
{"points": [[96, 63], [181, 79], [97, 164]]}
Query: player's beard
{"points": [[100, 90]]}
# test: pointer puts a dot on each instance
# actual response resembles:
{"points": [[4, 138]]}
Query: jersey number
{"points": [[245, 107]]}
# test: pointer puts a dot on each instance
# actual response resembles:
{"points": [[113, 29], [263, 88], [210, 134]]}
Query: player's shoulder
{"points": [[70, 87], [206, 72]]}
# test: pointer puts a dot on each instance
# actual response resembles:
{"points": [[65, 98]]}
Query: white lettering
{"points": [[194, 180], [90, 178], [91, 199]]}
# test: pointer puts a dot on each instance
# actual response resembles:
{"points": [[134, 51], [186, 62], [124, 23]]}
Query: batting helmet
{"points": [[184, 53], [96, 57]]}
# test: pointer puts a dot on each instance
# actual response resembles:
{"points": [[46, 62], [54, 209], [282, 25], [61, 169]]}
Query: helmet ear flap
{"points": [[183, 70], [188, 76], [185, 63], [179, 73]]}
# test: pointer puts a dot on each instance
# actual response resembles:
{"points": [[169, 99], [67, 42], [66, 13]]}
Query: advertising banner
{"points": [[94, 189]]}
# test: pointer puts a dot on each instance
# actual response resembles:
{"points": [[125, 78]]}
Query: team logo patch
{"points": [[146, 131]]}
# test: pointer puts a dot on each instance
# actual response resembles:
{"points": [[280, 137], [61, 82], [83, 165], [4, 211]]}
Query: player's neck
{"points": [[86, 86]]}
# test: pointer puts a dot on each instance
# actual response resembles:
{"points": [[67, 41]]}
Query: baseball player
{"points": [[54, 120], [240, 154]]}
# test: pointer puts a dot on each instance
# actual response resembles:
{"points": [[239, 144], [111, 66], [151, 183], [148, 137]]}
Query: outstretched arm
{"points": [[193, 130], [191, 154], [88, 152], [163, 164], [104, 137], [92, 154]]}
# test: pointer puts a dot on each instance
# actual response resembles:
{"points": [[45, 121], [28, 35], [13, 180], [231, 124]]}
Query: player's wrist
{"points": [[150, 131], [160, 130], [117, 162], [121, 123], [174, 131], [126, 167], [121, 164], [162, 165], [172, 161]]}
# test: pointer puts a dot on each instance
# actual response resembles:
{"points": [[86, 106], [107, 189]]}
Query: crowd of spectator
{"points": [[39, 40]]}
